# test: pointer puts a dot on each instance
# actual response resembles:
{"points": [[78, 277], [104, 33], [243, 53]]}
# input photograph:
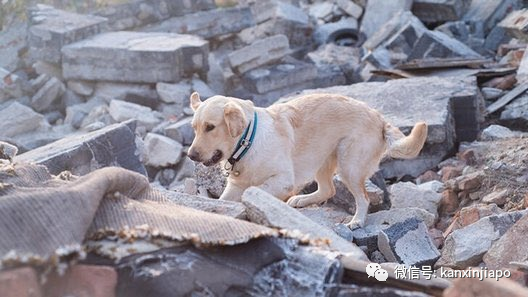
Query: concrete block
{"points": [[432, 11], [114, 56], [259, 53], [511, 247], [434, 44], [288, 73], [174, 93], [18, 119], [408, 243], [50, 92], [350, 8], [181, 131], [7, 151], [161, 151], [516, 112], [378, 12], [80, 87], [76, 113], [51, 29], [122, 111], [489, 12], [465, 247], [407, 194], [516, 24], [263, 208], [208, 24], [80, 154], [142, 94]]}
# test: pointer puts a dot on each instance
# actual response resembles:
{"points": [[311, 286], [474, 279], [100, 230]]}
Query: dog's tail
{"points": [[405, 147]]}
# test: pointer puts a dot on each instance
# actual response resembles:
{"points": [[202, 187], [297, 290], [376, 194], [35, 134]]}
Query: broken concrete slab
{"points": [[259, 53], [432, 11], [80, 154], [223, 207], [407, 194], [122, 111], [51, 91], [516, 113], [51, 29], [510, 247], [206, 23], [450, 107], [288, 73], [466, 246], [516, 24], [17, 119], [435, 44], [408, 243], [279, 17], [378, 12], [263, 208], [161, 151], [166, 57], [327, 33]]}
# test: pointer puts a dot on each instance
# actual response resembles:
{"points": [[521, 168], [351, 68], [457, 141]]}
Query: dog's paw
{"points": [[354, 224], [297, 201]]}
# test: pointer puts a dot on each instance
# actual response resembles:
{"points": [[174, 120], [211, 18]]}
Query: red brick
{"points": [[19, 282], [83, 281]]}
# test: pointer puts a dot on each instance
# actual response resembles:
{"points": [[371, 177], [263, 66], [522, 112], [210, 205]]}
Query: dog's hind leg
{"points": [[325, 186]]}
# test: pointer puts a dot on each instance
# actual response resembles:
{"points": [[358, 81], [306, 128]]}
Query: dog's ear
{"points": [[195, 101], [235, 119]]}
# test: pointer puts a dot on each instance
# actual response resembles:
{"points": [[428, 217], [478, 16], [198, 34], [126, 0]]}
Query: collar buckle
{"points": [[245, 142]]}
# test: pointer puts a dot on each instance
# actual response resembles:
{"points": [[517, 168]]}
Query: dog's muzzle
{"points": [[217, 156]]}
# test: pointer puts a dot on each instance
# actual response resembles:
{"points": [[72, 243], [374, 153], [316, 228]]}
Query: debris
{"points": [[351, 8], [17, 119], [122, 111], [211, 179], [431, 11], [81, 87], [7, 151], [494, 132], [259, 53], [377, 12], [507, 98], [407, 194], [516, 24], [474, 287], [516, 112], [510, 247], [47, 95], [161, 151], [329, 32], [181, 131], [435, 44], [408, 242]]}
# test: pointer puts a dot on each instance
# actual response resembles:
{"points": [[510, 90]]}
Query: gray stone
{"points": [[51, 29], [343, 60], [17, 119], [165, 57], [397, 215], [226, 208], [469, 33], [34, 139], [7, 151], [433, 185], [289, 73], [432, 11], [367, 237], [80, 154], [495, 38], [499, 197], [263, 208], [448, 105], [324, 33], [47, 95], [185, 169], [142, 94], [134, 14], [516, 24], [259, 53], [407, 194], [49, 69], [522, 71], [494, 132], [321, 10], [84, 88], [491, 93], [511, 247], [176, 94], [10, 85], [278, 17], [161, 151], [327, 215], [181, 131], [211, 179], [97, 118], [344, 199], [207, 23], [351, 8], [434, 44], [70, 98], [75, 114], [465, 247], [489, 12], [202, 88], [13, 42], [378, 12], [122, 111], [516, 112], [408, 243]]}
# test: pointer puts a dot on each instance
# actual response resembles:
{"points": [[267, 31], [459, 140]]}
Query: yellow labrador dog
{"points": [[283, 147]]}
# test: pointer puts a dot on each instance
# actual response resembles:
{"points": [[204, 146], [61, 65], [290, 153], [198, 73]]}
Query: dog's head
{"points": [[218, 124]]}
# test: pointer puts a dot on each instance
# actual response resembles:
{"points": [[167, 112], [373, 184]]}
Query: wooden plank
{"points": [[442, 63], [507, 98]]}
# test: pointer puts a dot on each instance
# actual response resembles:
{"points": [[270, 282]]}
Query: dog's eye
{"points": [[209, 127]]}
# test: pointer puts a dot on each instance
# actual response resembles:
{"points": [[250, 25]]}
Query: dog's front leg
{"points": [[232, 192], [280, 186]]}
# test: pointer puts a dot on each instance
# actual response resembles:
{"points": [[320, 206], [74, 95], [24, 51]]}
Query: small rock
{"points": [[449, 202], [343, 231], [516, 111], [321, 10], [83, 280], [202, 88], [434, 185], [409, 243], [428, 176], [46, 96], [491, 93], [7, 151], [397, 215], [450, 172], [122, 111], [20, 282], [259, 53], [512, 246], [489, 287], [407, 194], [190, 186], [211, 178], [81, 87], [174, 93], [466, 246], [470, 182], [17, 119], [498, 197], [142, 94], [351, 8], [161, 150], [377, 257], [494, 132], [181, 131]]}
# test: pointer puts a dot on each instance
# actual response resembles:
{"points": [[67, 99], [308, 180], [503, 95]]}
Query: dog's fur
{"points": [[311, 137]]}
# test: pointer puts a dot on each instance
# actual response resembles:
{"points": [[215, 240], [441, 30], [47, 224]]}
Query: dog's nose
{"points": [[194, 155]]}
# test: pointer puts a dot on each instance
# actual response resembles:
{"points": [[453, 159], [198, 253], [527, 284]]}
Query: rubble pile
{"points": [[110, 86]]}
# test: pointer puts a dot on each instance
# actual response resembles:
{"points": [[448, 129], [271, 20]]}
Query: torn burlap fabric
{"points": [[43, 216]]}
